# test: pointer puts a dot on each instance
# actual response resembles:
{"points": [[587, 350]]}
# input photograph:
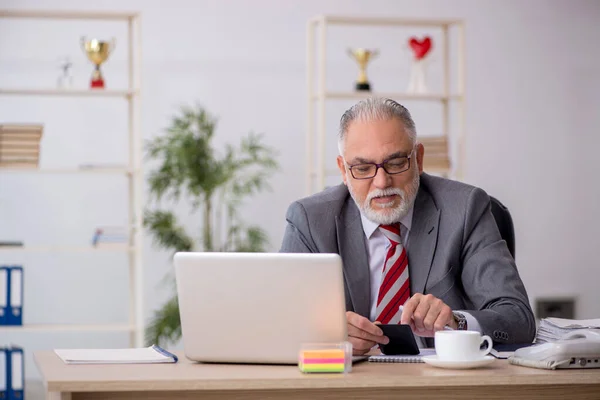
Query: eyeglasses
{"points": [[393, 166]]}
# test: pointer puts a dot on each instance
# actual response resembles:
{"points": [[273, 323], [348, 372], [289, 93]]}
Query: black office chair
{"points": [[505, 223]]}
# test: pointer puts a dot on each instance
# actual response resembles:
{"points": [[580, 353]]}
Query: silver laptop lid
{"points": [[258, 307]]}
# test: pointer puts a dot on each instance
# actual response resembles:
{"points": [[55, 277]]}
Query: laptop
{"points": [[258, 307]]}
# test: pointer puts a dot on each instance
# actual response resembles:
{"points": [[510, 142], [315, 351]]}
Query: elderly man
{"points": [[409, 239]]}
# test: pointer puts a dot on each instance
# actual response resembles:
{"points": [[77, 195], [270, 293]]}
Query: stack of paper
{"points": [[152, 354], [552, 329]]}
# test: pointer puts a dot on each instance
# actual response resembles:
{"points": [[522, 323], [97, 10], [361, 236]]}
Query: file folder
{"points": [[15, 295], [4, 295], [16, 374], [3, 373]]}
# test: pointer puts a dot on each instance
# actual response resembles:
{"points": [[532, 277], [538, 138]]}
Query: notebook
{"points": [[144, 355], [383, 358]]}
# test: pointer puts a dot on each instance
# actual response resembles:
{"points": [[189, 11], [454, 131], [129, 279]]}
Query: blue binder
{"points": [[15, 295], [4, 310], [4, 373], [16, 373]]}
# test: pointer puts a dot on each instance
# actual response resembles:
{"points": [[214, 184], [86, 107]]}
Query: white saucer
{"points": [[436, 362]]}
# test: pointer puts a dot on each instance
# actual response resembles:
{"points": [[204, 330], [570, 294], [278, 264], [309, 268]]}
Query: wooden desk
{"points": [[187, 380]]}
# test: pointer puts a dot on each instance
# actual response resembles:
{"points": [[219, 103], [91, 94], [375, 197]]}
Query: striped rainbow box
{"points": [[332, 358]]}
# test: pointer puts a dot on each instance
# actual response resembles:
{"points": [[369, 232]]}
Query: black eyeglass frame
{"points": [[380, 165]]}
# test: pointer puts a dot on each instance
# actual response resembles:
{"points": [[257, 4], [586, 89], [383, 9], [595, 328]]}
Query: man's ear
{"points": [[420, 155], [342, 168]]}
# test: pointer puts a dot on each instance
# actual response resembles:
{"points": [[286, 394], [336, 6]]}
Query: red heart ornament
{"points": [[420, 48]]}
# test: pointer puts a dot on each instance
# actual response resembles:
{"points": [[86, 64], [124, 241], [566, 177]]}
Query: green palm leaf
{"points": [[215, 184]]}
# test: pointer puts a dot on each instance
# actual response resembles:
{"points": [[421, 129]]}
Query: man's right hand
{"points": [[363, 334]]}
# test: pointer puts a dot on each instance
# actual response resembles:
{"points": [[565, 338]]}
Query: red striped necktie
{"points": [[395, 287]]}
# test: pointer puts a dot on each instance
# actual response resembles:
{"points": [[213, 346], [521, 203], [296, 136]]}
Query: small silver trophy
{"points": [[65, 80]]}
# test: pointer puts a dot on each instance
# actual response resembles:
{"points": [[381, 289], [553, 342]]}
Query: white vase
{"points": [[417, 82]]}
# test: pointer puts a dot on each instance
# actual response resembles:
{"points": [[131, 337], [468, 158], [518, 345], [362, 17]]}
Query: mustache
{"points": [[385, 192]]}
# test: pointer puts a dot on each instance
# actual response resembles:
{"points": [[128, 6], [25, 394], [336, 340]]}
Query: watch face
{"points": [[461, 321]]}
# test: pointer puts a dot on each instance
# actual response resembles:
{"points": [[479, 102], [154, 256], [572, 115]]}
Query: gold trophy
{"points": [[97, 52], [362, 57]]}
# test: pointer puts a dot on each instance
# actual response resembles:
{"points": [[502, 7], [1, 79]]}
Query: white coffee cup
{"points": [[461, 345]]}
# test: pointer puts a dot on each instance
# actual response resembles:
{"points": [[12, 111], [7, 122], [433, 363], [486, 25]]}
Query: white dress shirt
{"points": [[377, 245]]}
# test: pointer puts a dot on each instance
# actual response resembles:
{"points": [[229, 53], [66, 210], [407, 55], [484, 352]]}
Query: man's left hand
{"points": [[427, 314]]}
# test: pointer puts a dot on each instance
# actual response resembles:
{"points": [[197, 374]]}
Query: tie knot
{"points": [[392, 232]]}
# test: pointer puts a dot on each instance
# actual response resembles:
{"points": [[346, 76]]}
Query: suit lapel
{"points": [[350, 236], [422, 240]]}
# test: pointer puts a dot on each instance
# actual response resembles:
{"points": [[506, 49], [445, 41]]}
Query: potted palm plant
{"points": [[215, 183]]}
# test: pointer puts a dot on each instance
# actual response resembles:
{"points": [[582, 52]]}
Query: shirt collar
{"points": [[369, 226]]}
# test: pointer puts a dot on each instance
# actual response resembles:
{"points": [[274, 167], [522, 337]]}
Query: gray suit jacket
{"points": [[455, 252]]}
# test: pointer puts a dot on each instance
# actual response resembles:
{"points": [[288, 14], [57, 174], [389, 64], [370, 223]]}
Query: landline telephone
{"points": [[577, 349]]}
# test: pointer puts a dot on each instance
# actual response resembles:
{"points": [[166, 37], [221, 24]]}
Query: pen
{"points": [[446, 327]]}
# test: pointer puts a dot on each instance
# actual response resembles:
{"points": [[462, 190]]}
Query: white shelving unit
{"points": [[318, 94], [131, 172], [70, 327], [67, 249], [70, 92], [68, 171]]}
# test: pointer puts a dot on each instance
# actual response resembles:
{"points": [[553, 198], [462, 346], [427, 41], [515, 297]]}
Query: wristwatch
{"points": [[461, 321]]}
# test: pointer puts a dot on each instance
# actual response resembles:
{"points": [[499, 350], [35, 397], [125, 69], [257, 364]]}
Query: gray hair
{"points": [[376, 108]]}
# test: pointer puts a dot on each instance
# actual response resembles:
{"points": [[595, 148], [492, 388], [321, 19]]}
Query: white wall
{"points": [[533, 74]]}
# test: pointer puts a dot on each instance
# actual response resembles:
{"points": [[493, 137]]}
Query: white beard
{"points": [[388, 215]]}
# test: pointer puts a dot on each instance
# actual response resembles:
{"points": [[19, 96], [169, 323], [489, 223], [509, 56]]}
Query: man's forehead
{"points": [[366, 135]]}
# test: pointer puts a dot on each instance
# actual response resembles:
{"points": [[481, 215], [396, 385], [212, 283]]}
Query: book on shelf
{"points": [[9, 243], [552, 329], [18, 164], [21, 128], [102, 166], [439, 164], [434, 142]]}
